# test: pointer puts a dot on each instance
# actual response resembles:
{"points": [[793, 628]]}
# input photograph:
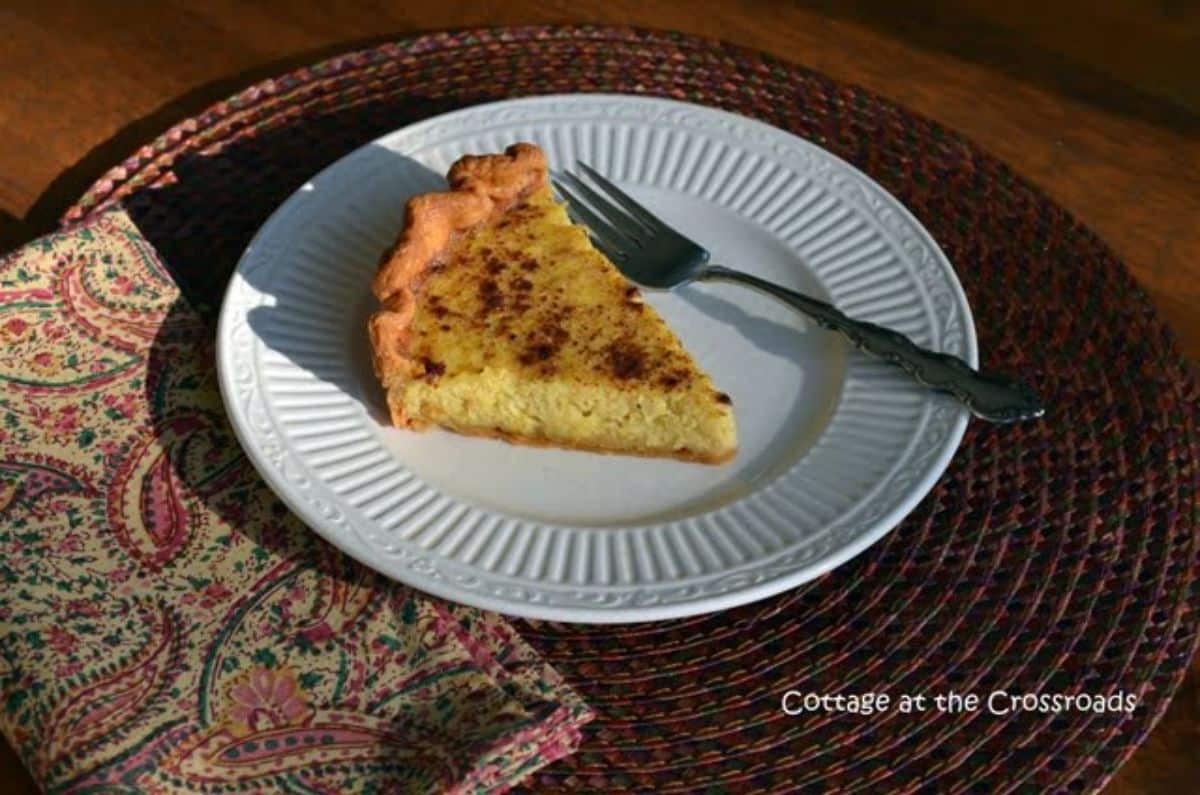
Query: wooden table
{"points": [[1096, 102]]}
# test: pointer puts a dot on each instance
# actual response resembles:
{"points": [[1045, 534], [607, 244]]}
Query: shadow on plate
{"points": [[200, 224], [778, 339], [817, 398], [271, 322]]}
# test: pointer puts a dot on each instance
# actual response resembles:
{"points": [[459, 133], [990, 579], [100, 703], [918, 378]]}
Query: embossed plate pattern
{"points": [[836, 448]]}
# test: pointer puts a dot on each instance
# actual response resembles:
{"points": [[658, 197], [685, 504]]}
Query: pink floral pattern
{"points": [[266, 699], [166, 625]]}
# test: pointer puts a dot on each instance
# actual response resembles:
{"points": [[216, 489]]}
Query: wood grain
{"points": [[1095, 102]]}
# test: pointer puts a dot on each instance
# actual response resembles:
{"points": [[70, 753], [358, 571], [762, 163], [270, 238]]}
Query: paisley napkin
{"points": [[166, 625]]}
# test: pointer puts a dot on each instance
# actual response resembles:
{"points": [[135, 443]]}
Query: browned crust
{"points": [[481, 189], [543, 441]]}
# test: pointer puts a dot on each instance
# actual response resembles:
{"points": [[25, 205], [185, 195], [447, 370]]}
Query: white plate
{"points": [[835, 447]]}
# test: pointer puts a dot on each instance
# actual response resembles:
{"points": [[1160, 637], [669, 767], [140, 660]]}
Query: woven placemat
{"points": [[1058, 557]]}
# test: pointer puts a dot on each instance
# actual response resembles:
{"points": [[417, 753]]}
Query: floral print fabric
{"points": [[166, 625]]}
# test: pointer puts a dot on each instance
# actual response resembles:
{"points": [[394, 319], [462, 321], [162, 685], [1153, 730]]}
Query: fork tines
{"points": [[617, 222]]}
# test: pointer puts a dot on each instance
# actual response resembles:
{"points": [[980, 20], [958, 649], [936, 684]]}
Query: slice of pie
{"points": [[499, 318]]}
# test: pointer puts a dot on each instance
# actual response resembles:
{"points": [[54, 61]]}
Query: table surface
{"points": [[1103, 114]]}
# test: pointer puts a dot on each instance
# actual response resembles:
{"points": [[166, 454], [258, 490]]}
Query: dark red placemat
{"points": [[1052, 558]]}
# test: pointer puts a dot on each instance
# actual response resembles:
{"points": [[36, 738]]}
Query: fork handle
{"points": [[995, 398]]}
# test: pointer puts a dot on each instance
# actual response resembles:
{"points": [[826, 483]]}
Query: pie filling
{"points": [[519, 328]]}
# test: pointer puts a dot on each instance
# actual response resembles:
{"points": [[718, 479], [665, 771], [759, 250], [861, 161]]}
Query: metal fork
{"points": [[654, 255]]}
